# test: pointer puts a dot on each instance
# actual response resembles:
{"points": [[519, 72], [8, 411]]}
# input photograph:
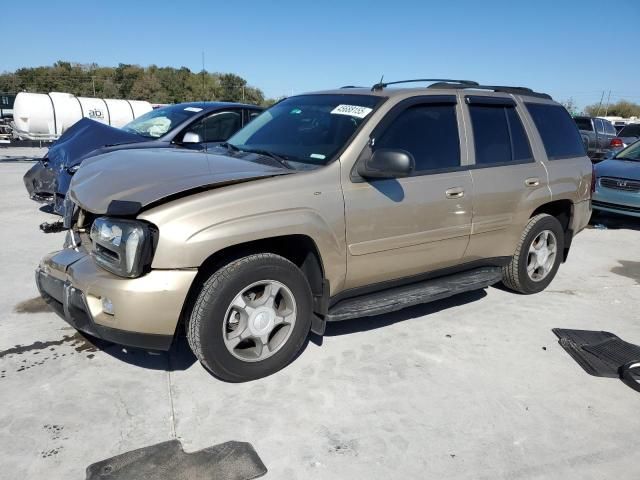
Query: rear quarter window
{"points": [[558, 131]]}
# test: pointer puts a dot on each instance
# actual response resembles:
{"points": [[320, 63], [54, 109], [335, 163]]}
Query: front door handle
{"points": [[532, 182], [455, 192]]}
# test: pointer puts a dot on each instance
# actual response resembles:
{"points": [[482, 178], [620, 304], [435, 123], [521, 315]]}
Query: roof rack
{"points": [[463, 83], [350, 86], [495, 88]]}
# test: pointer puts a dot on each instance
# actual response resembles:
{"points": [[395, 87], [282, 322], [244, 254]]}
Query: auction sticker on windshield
{"points": [[352, 111], [192, 109]]}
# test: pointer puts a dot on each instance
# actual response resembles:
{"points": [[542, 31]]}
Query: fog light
{"points": [[107, 306]]}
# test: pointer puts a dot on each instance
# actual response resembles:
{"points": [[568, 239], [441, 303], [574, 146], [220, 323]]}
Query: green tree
{"points": [[622, 108], [152, 83]]}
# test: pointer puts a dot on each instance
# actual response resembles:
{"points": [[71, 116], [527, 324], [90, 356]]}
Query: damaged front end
{"points": [[40, 182]]}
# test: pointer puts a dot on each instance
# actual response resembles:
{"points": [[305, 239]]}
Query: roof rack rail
{"points": [[351, 86], [381, 85], [495, 88]]}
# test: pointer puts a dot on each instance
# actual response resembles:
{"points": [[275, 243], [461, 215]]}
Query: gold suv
{"points": [[328, 206]]}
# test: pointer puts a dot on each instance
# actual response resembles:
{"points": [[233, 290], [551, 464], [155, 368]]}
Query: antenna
{"points": [[379, 85]]}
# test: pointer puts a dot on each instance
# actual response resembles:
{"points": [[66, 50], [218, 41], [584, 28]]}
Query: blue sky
{"points": [[286, 47]]}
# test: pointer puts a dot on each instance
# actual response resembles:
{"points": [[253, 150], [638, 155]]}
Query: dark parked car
{"points": [[597, 136], [195, 126], [629, 134]]}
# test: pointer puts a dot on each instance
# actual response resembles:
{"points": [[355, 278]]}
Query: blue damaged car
{"points": [[196, 125], [618, 183]]}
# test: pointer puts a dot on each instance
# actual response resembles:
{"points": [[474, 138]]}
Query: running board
{"points": [[398, 298]]}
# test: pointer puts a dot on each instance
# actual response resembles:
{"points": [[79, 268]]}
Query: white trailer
{"points": [[46, 116]]}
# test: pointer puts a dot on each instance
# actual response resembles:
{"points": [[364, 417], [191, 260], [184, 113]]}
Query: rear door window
{"points": [[429, 132], [559, 133], [599, 125], [498, 134], [609, 128]]}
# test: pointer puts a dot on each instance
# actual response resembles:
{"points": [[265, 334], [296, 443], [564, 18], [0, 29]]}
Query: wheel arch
{"points": [[300, 249], [563, 211]]}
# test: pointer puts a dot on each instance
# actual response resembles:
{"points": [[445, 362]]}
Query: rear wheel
{"points": [[537, 256], [251, 317]]}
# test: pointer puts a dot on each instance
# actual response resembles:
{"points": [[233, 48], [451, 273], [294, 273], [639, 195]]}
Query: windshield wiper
{"points": [[281, 159], [229, 146]]}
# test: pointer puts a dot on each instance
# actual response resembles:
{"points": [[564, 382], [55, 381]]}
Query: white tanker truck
{"points": [[46, 116]]}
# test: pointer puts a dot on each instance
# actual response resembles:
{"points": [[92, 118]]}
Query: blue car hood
{"points": [[82, 138], [619, 168]]}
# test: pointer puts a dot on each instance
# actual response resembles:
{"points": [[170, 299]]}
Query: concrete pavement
{"points": [[475, 386]]}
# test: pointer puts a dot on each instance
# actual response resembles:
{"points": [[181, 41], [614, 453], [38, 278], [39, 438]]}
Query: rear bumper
{"points": [[146, 310]]}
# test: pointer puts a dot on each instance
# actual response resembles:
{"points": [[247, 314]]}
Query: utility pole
{"points": [[93, 81], [203, 99], [606, 111], [600, 104]]}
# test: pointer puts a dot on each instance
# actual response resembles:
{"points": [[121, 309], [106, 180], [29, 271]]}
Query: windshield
{"points": [[632, 130], [632, 152], [309, 128], [156, 123]]}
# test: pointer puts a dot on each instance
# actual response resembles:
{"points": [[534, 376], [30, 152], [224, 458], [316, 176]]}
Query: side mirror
{"points": [[191, 137], [387, 163]]}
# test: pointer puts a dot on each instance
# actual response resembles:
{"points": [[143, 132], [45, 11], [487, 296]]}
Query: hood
{"points": [[629, 169], [126, 181], [83, 137]]}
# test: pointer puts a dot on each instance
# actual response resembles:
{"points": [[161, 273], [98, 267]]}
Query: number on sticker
{"points": [[352, 111]]}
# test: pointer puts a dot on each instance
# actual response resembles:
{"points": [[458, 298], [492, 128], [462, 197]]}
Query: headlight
{"points": [[123, 247]]}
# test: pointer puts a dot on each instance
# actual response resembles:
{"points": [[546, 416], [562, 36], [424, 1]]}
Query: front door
{"points": [[399, 228]]}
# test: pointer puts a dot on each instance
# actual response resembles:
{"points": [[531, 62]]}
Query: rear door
{"points": [[601, 137], [508, 180], [564, 157], [398, 228]]}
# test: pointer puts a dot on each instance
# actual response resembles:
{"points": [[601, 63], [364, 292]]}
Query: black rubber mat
{"points": [[603, 354], [167, 461], [575, 341]]}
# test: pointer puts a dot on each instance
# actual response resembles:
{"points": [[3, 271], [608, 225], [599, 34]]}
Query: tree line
{"points": [[154, 84], [622, 108]]}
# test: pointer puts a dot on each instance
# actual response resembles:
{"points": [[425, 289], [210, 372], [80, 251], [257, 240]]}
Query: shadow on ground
{"points": [[179, 357], [612, 221]]}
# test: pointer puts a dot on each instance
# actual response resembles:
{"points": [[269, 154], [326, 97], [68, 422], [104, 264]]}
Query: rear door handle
{"points": [[532, 182], [455, 192]]}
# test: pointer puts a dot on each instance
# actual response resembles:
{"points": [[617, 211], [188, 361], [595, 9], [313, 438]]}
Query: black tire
{"points": [[204, 331], [514, 275]]}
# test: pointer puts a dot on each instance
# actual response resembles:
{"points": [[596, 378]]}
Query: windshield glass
{"points": [[632, 130], [156, 123], [309, 128], [632, 152]]}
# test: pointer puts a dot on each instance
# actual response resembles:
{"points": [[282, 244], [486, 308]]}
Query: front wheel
{"points": [[538, 256], [251, 317]]}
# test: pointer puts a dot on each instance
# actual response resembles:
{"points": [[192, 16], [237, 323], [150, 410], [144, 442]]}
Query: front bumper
{"points": [[146, 309], [616, 201], [40, 182]]}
